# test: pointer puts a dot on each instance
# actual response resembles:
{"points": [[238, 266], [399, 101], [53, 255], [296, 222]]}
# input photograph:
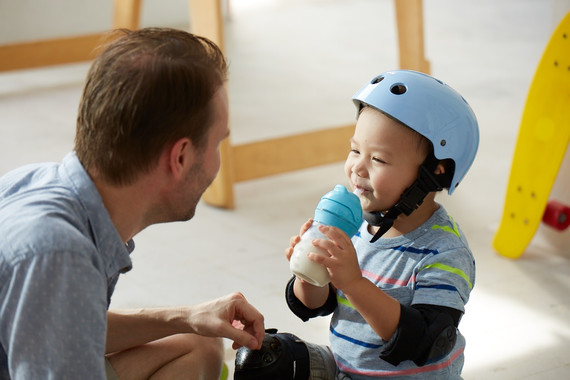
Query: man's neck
{"points": [[126, 206]]}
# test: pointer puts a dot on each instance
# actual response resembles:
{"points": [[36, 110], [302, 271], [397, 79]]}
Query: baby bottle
{"points": [[337, 208]]}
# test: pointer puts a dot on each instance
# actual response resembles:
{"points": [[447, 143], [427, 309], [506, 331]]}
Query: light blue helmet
{"points": [[431, 108]]}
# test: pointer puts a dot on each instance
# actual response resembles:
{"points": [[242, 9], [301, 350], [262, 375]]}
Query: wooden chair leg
{"points": [[221, 191], [410, 23], [127, 14], [206, 20]]}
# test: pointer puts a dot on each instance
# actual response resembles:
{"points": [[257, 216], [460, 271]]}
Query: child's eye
{"points": [[379, 160], [355, 151]]}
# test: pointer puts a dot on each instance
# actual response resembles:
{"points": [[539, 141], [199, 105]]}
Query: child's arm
{"points": [[380, 311], [312, 297], [424, 332], [304, 312], [418, 332]]}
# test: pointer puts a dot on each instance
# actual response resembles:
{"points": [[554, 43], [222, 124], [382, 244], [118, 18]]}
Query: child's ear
{"points": [[439, 169]]}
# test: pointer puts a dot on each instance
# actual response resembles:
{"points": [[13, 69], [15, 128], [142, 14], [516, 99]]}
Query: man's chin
{"points": [[184, 217], [189, 215]]}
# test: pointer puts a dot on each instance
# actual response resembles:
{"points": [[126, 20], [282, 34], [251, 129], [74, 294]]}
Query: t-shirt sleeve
{"points": [[446, 279]]}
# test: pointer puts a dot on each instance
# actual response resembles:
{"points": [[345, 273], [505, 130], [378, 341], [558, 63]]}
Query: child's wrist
{"points": [[354, 287], [304, 284]]}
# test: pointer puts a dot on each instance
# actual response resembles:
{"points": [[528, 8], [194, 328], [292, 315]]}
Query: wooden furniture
{"points": [[79, 48], [238, 162]]}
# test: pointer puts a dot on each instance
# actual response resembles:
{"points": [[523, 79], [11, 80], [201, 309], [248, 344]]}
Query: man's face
{"points": [[207, 162]]}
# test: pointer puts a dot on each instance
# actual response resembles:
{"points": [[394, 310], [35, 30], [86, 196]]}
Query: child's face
{"points": [[383, 161]]}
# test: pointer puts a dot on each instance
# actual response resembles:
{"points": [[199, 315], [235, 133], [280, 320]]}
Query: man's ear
{"points": [[180, 157]]}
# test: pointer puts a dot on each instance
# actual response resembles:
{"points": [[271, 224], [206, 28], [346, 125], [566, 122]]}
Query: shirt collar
{"points": [[105, 235]]}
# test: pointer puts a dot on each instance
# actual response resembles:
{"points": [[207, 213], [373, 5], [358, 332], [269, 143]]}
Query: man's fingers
{"points": [[243, 338], [252, 330]]}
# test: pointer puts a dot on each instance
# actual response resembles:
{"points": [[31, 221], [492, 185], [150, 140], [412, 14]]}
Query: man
{"points": [[152, 116]]}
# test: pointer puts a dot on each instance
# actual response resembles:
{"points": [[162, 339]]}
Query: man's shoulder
{"points": [[42, 237], [40, 216]]}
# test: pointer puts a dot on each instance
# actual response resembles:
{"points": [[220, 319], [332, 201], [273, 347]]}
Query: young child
{"points": [[399, 286]]}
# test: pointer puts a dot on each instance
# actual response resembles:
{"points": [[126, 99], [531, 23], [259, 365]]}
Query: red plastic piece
{"points": [[557, 215]]}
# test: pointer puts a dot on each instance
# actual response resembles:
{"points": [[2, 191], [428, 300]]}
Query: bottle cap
{"points": [[341, 209]]}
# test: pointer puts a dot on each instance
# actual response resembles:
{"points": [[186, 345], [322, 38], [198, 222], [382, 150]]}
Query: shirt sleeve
{"points": [[445, 279], [54, 315], [442, 288]]}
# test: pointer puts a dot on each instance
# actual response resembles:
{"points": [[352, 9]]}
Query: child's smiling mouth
{"points": [[359, 190]]}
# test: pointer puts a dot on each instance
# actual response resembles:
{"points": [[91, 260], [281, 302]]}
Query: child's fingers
{"points": [[288, 253], [294, 240], [339, 237], [306, 226]]}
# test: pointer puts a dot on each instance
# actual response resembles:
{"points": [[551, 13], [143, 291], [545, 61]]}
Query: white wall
{"points": [[27, 20], [559, 9]]}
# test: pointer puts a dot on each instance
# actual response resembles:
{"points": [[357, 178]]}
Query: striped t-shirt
{"points": [[430, 265]]}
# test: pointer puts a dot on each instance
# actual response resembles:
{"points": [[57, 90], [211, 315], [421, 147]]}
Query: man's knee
{"points": [[203, 356], [180, 354], [211, 348]]}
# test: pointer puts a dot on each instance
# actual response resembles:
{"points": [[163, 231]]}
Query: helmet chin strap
{"points": [[410, 199]]}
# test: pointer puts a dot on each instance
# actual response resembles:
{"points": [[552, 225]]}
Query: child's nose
{"points": [[359, 168]]}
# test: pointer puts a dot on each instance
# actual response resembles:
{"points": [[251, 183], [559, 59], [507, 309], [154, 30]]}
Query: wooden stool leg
{"points": [[127, 14], [206, 20], [221, 191], [409, 19]]}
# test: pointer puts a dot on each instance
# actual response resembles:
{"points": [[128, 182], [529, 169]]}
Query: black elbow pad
{"points": [[302, 311], [425, 333], [442, 345]]}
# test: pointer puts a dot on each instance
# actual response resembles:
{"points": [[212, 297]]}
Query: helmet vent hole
{"points": [[398, 89], [442, 142], [377, 80]]}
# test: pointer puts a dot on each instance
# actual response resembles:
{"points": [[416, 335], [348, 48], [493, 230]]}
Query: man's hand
{"points": [[230, 317]]}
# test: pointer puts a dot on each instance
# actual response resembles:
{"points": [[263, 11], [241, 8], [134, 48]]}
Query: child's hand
{"points": [[295, 239], [342, 263]]}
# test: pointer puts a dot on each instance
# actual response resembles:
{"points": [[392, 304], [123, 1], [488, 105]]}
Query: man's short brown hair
{"points": [[146, 89]]}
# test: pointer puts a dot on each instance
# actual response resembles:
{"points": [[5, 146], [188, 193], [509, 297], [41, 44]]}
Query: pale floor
{"points": [[294, 66]]}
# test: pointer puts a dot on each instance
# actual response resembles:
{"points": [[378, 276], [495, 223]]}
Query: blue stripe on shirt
{"points": [[352, 340], [440, 286], [421, 251]]}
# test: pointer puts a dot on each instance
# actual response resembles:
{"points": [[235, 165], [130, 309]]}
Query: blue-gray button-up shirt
{"points": [[60, 258]]}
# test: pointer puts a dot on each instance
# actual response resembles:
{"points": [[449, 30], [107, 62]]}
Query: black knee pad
{"points": [[282, 357]]}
